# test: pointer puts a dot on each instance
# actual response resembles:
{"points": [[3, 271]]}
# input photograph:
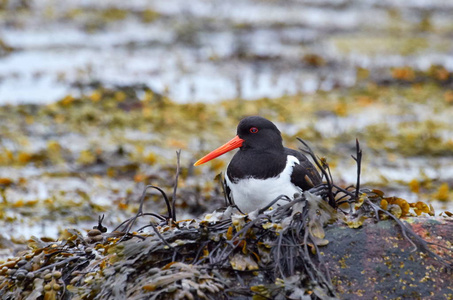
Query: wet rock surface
{"points": [[376, 261]]}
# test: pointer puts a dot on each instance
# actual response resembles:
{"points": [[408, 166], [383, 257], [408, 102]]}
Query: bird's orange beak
{"points": [[236, 142]]}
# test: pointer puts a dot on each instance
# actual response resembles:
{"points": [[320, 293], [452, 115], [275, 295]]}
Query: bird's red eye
{"points": [[253, 130]]}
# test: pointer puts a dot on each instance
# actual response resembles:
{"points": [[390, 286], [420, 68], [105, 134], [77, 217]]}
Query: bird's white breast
{"points": [[250, 194]]}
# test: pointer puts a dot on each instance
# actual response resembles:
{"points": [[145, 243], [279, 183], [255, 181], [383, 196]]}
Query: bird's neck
{"points": [[252, 163]]}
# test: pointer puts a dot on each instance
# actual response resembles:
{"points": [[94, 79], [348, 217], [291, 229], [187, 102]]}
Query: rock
{"points": [[376, 261]]}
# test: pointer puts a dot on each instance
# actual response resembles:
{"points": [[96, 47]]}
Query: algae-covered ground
{"points": [[66, 163], [110, 94]]}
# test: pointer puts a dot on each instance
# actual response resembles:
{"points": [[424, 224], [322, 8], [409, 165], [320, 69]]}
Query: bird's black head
{"points": [[259, 133]]}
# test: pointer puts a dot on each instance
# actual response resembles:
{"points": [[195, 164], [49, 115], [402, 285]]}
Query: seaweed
{"points": [[271, 253]]}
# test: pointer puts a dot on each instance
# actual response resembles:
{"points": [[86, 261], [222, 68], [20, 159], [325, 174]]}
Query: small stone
{"points": [[94, 232], [96, 238], [27, 266], [11, 271], [20, 275], [21, 262]]}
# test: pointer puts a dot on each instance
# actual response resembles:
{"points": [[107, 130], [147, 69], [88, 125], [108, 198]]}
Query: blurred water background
{"points": [[212, 50]]}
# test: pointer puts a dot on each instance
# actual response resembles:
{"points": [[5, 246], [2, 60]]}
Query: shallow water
{"points": [[213, 50]]}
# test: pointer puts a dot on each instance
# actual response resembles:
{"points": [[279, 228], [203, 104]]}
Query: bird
{"points": [[263, 169]]}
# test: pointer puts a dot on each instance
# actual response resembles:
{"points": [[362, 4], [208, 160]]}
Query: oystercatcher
{"points": [[263, 169]]}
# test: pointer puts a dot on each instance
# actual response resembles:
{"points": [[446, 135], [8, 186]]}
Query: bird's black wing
{"points": [[227, 191], [305, 175]]}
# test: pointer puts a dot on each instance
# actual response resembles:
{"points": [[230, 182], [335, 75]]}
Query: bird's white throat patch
{"points": [[251, 193]]}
